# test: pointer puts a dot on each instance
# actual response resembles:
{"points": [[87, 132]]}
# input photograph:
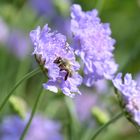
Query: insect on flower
{"points": [[64, 64], [57, 60]]}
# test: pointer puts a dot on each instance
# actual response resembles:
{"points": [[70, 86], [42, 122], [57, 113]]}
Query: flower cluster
{"points": [[57, 57], [130, 96], [93, 44], [40, 129]]}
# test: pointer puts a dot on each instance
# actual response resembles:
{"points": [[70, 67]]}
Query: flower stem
{"points": [[32, 115], [73, 118], [106, 125], [27, 76]]}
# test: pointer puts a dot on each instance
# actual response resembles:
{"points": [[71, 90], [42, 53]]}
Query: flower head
{"points": [[130, 96], [54, 53], [93, 44], [41, 128]]}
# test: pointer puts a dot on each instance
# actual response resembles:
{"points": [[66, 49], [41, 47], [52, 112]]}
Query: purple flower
{"points": [[62, 24], [18, 44], [101, 86], [130, 96], [40, 129], [90, 109], [55, 12], [93, 44], [84, 105], [57, 57], [43, 7]]}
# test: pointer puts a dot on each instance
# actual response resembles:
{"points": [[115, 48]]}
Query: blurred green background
{"points": [[19, 17]]}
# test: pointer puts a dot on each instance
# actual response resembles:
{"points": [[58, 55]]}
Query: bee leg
{"points": [[66, 76]]}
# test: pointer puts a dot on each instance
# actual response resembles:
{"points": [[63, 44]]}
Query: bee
{"points": [[64, 64]]}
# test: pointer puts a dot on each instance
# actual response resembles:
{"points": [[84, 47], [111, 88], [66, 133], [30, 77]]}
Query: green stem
{"points": [[74, 123], [106, 125], [27, 76], [32, 115]]}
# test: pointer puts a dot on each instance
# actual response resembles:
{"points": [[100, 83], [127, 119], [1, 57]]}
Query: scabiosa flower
{"points": [[18, 44], [101, 86], [130, 96], [41, 128], [90, 101], [84, 105], [55, 12], [45, 7], [57, 57], [62, 24], [93, 44]]}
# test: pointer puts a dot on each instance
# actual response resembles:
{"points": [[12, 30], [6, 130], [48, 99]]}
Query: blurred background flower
{"points": [[18, 44], [40, 129], [84, 104], [43, 7], [56, 13], [90, 100]]}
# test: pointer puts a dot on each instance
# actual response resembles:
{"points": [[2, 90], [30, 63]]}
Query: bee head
{"points": [[58, 60]]}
